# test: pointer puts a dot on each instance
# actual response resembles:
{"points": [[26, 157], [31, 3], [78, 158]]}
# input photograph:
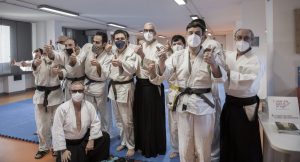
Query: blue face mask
{"points": [[120, 44]]}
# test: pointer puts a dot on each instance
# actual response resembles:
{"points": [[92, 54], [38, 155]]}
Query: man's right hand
{"points": [[65, 156], [37, 62], [73, 59]]}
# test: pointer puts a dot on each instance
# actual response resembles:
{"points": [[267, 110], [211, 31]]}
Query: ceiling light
{"points": [[116, 25], [194, 17], [180, 2], [206, 29], [161, 36], [209, 34], [57, 10]]}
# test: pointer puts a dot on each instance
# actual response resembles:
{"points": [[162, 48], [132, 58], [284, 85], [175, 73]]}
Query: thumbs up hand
{"points": [[108, 46]]}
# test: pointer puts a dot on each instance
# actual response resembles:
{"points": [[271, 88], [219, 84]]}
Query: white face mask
{"points": [[242, 45], [77, 97], [60, 47], [194, 40], [177, 48], [148, 36]]}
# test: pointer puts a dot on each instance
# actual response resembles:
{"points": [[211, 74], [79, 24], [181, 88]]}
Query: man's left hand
{"points": [[89, 146], [209, 57]]}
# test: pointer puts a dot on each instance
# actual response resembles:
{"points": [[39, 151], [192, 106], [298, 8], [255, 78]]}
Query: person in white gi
{"points": [[149, 101], [218, 91], [27, 65], [76, 130], [196, 69], [60, 43], [96, 62], [68, 59], [48, 95], [177, 44], [121, 88], [240, 137]]}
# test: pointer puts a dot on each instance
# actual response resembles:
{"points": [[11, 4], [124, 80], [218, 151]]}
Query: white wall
{"points": [[221, 39], [285, 60], [229, 41]]}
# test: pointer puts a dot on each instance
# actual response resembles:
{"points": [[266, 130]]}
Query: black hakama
{"points": [[240, 138], [149, 118], [77, 149]]}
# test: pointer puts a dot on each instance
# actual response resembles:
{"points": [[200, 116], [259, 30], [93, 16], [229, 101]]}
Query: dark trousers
{"points": [[240, 138], [77, 149]]}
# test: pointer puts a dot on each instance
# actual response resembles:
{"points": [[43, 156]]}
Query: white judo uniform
{"points": [[73, 73], [95, 85], [64, 126], [121, 93], [196, 112], [218, 93], [46, 80]]}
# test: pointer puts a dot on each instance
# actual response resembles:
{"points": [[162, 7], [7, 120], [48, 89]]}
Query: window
{"points": [[4, 44]]}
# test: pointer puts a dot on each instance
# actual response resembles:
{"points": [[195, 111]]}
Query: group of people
{"points": [[74, 87]]}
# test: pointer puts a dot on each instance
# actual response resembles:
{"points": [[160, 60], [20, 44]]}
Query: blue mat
{"points": [[17, 121]]}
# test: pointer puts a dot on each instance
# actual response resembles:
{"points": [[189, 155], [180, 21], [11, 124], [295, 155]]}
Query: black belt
{"points": [[91, 81], [199, 92], [47, 91], [241, 101], [114, 83], [76, 79]]}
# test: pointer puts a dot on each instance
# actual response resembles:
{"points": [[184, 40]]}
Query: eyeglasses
{"points": [[245, 38], [79, 91], [149, 30]]}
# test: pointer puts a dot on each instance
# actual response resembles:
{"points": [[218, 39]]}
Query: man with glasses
{"points": [[149, 101], [96, 61], [240, 139], [76, 131]]}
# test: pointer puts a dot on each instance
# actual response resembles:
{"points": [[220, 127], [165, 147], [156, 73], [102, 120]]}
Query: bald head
{"points": [[61, 39], [245, 34], [149, 27]]}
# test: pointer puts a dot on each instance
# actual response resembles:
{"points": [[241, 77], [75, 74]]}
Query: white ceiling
{"points": [[220, 15]]}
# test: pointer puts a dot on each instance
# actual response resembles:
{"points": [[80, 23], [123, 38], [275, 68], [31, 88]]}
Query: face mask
{"points": [[61, 47], [69, 51], [96, 49], [120, 44], [177, 48], [194, 40], [148, 36], [77, 97], [242, 45]]}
